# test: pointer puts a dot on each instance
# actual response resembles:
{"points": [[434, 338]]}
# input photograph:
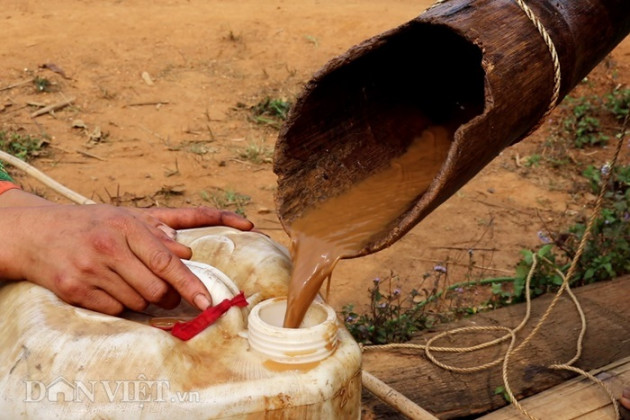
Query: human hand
{"points": [[183, 218], [106, 258]]}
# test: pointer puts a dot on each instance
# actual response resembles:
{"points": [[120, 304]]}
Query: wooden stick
{"points": [[88, 154], [394, 398], [53, 107], [147, 103], [45, 179], [14, 85], [37, 104]]}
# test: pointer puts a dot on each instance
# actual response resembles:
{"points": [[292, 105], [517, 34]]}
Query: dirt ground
{"points": [[179, 134]]}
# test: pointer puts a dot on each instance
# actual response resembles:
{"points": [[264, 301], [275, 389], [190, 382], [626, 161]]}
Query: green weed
{"points": [[500, 390], [23, 146], [312, 40], [585, 123], [227, 199], [42, 84], [257, 153], [391, 318], [618, 103], [606, 254], [271, 112], [582, 124], [197, 147], [533, 160]]}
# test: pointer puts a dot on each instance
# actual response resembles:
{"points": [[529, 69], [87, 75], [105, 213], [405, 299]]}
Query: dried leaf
{"points": [[172, 190], [79, 124], [147, 78], [54, 68], [96, 135]]}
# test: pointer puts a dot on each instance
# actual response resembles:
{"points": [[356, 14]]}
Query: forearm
{"points": [[13, 202], [14, 251], [19, 198]]}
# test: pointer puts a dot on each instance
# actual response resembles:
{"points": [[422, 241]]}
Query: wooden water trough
{"points": [[480, 65]]}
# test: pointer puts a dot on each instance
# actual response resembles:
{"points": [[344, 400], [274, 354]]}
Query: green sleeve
{"points": [[4, 176]]}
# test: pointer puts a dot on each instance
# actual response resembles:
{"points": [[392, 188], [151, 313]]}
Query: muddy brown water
{"points": [[343, 225]]}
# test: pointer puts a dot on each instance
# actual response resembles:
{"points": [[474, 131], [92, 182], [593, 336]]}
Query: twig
{"points": [[208, 120], [147, 103], [263, 228], [54, 146], [44, 179], [88, 154], [461, 248], [151, 132], [14, 85], [517, 160], [271, 221], [475, 266], [454, 286], [501, 206], [14, 109], [53, 107], [238, 161]]}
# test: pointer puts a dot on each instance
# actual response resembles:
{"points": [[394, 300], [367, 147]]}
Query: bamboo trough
{"points": [[480, 65]]}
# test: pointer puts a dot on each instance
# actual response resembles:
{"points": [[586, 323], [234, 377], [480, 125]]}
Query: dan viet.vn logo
{"points": [[139, 390]]}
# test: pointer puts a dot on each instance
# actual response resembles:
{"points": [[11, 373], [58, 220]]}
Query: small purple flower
{"points": [[605, 170], [396, 291], [440, 269], [350, 318], [544, 238], [459, 289], [382, 305], [376, 281], [626, 216]]}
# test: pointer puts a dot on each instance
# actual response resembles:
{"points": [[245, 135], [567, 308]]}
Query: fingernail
{"points": [[201, 302], [170, 232]]}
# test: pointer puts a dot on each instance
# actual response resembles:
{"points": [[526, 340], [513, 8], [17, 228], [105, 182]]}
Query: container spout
{"points": [[477, 67]]}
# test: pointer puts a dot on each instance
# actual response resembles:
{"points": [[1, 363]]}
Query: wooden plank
{"points": [[577, 398], [448, 394]]}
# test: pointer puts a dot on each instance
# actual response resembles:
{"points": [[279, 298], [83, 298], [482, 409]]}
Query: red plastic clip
{"points": [[187, 330]]}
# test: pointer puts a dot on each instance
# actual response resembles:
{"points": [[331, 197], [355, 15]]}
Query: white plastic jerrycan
{"points": [[62, 362]]}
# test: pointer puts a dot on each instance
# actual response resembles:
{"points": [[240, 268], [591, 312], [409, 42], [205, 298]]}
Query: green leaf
{"points": [[497, 289], [519, 286], [545, 250]]}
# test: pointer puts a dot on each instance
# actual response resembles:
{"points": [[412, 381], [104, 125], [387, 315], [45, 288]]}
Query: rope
{"points": [[557, 75], [555, 60], [511, 333]]}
